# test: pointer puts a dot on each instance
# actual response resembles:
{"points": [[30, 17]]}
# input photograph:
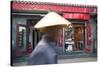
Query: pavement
{"points": [[75, 60], [61, 61]]}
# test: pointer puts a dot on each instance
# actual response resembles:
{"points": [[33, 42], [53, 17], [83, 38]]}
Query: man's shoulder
{"points": [[43, 47]]}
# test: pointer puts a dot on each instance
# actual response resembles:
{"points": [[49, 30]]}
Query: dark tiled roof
{"points": [[60, 4], [65, 7]]}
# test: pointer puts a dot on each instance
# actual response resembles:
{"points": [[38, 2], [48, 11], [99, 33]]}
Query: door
{"points": [[33, 36]]}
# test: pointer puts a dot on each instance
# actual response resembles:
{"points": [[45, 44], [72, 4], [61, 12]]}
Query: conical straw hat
{"points": [[52, 19]]}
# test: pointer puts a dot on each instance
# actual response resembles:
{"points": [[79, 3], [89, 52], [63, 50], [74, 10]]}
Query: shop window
{"points": [[68, 37], [20, 39], [74, 38], [22, 36]]}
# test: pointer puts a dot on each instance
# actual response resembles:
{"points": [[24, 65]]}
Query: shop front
{"points": [[77, 38]]}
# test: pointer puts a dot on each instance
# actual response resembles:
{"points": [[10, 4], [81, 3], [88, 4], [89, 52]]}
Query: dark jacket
{"points": [[44, 53]]}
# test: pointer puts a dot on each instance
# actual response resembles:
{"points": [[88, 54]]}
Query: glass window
{"points": [[74, 38]]}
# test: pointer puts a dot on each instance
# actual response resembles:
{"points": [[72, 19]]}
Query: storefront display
{"points": [[78, 37]]}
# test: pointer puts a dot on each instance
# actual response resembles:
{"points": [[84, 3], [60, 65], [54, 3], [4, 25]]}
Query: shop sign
{"points": [[76, 16]]}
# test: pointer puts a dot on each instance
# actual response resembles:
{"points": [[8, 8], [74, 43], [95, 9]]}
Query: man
{"points": [[45, 51]]}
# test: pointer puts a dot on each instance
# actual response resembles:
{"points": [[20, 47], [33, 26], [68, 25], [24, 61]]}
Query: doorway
{"points": [[33, 36]]}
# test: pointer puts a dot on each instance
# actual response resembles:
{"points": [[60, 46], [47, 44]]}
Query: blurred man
{"points": [[45, 52]]}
